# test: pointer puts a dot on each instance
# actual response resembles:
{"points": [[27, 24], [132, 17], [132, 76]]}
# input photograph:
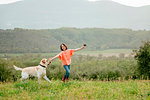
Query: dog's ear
{"points": [[43, 61]]}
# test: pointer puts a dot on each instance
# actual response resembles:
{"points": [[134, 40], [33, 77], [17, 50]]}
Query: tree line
{"points": [[48, 40], [85, 67]]}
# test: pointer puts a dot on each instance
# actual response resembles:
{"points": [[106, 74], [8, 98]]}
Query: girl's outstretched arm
{"points": [[80, 48], [50, 59]]}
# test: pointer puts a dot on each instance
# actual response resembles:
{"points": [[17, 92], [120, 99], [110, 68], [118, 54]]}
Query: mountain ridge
{"points": [[73, 13]]}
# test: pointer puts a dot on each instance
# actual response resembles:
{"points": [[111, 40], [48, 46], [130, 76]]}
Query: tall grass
{"points": [[100, 78], [104, 90], [82, 67]]}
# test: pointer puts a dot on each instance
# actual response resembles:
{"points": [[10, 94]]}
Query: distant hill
{"points": [[39, 14], [48, 40]]}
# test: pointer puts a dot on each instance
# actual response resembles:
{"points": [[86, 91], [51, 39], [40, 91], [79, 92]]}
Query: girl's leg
{"points": [[67, 68], [69, 74]]}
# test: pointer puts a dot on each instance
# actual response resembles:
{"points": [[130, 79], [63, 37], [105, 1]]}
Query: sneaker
{"points": [[63, 79], [67, 79]]}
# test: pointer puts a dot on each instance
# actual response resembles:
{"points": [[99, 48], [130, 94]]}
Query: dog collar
{"points": [[42, 66]]}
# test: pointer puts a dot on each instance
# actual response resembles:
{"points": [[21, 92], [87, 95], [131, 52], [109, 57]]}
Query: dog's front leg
{"points": [[39, 79], [45, 77]]}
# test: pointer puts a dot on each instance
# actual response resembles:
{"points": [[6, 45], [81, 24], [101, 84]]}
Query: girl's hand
{"points": [[84, 45], [49, 60]]}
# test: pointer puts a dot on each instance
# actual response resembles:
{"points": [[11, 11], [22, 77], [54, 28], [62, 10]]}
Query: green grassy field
{"points": [[103, 90], [80, 52], [108, 51]]}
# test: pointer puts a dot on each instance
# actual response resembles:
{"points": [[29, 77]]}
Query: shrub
{"points": [[143, 59], [82, 67], [6, 73]]}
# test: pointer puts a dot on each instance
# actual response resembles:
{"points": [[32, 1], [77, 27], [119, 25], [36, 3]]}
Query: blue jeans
{"points": [[67, 68]]}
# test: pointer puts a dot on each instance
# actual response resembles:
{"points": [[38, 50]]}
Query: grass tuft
{"points": [[105, 90]]}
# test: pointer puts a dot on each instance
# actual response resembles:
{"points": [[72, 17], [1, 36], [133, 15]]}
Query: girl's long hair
{"points": [[64, 45]]}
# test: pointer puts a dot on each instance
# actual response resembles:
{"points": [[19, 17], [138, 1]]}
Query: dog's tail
{"points": [[17, 68]]}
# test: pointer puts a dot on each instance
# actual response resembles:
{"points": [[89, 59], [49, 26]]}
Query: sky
{"points": [[133, 3]]}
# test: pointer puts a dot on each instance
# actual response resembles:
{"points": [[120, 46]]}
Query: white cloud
{"points": [[8, 1], [134, 3]]}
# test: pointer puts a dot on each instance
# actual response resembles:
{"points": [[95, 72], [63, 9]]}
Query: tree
{"points": [[143, 59]]}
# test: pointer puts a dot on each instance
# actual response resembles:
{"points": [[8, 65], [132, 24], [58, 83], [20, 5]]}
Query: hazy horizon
{"points": [[132, 3]]}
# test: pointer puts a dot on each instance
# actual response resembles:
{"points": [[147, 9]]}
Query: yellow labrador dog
{"points": [[37, 71]]}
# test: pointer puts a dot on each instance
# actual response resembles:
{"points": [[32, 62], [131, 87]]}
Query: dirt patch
{"points": [[110, 54]]}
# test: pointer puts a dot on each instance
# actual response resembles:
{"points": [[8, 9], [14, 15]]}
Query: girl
{"points": [[65, 56]]}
